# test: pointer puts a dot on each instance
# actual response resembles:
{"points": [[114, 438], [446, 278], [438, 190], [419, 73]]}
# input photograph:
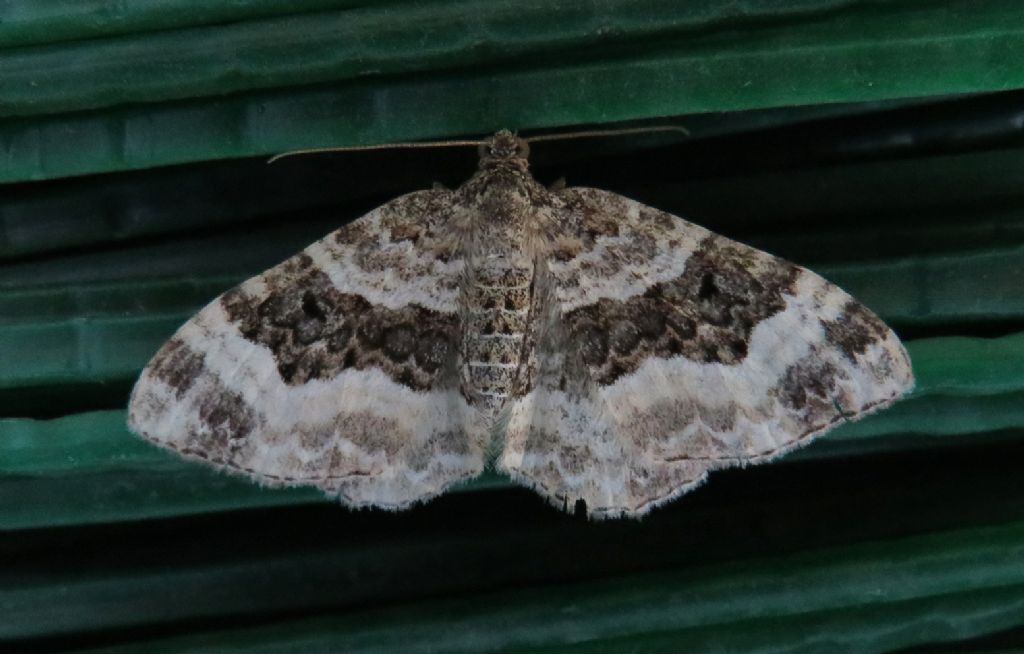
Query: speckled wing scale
{"points": [[595, 348], [337, 368], [671, 351]]}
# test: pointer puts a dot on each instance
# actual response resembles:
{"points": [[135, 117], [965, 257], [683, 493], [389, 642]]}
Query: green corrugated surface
{"points": [[826, 131], [615, 61], [54, 21]]}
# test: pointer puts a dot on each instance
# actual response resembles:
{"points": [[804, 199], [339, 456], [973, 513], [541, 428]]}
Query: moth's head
{"points": [[504, 149]]}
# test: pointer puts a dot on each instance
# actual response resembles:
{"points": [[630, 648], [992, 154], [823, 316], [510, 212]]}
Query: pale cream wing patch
{"points": [[337, 368], [670, 351]]}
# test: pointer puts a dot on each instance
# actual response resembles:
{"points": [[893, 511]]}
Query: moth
{"points": [[589, 346]]}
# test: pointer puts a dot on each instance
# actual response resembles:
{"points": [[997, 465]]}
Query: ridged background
{"points": [[878, 143]]}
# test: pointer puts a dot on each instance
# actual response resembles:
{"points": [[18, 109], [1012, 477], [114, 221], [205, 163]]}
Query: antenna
{"points": [[381, 146], [558, 136]]}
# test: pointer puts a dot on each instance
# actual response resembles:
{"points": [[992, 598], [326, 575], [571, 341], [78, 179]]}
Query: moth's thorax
{"points": [[502, 195]]}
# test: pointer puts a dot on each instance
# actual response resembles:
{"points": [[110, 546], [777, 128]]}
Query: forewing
{"points": [[336, 368], [671, 351]]}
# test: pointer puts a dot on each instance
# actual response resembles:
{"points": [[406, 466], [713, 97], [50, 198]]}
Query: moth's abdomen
{"points": [[498, 303]]}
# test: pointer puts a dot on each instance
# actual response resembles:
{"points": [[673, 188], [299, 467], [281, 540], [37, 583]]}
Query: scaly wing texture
{"points": [[665, 351], [337, 368]]}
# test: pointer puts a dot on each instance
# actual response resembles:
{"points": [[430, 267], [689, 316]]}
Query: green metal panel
{"points": [[841, 134], [238, 90]]}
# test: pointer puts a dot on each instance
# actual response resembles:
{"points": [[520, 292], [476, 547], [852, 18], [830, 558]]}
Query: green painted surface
{"points": [[489, 65], [826, 131]]}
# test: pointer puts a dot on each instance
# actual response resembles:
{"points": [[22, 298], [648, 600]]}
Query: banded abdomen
{"points": [[498, 303]]}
